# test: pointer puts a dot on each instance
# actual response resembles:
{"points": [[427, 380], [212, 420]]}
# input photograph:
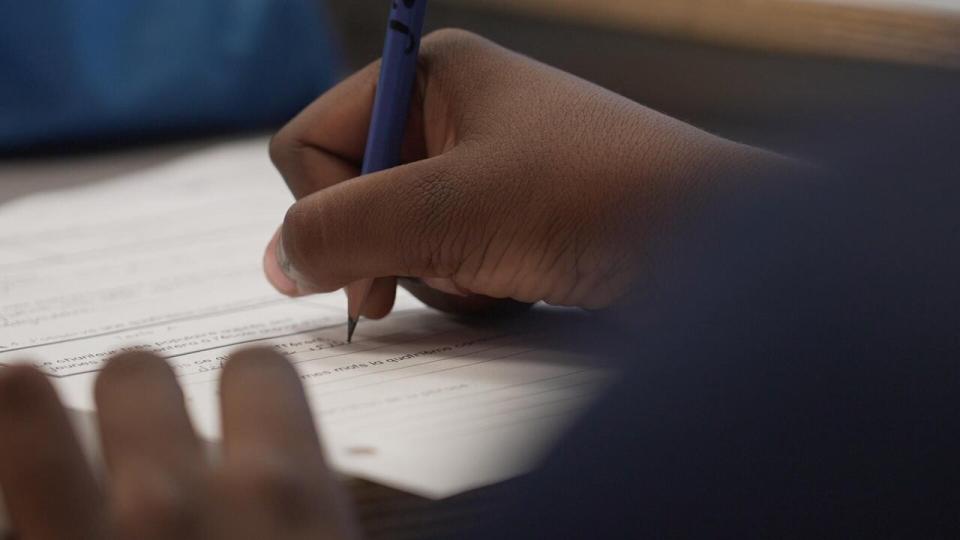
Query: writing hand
{"points": [[271, 481], [520, 182]]}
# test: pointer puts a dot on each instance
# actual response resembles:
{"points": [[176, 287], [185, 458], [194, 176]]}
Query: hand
{"points": [[519, 181], [271, 481]]}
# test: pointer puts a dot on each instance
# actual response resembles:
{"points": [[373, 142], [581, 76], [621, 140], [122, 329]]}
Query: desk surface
{"points": [[909, 31]]}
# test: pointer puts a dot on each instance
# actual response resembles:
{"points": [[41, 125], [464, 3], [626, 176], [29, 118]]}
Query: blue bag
{"points": [[104, 70]]}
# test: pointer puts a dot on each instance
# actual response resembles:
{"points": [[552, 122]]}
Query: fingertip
{"points": [[377, 311], [133, 362], [256, 355], [273, 269], [134, 365], [380, 301], [255, 363], [23, 387]]}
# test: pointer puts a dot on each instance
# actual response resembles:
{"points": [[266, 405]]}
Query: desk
{"points": [[908, 31]]}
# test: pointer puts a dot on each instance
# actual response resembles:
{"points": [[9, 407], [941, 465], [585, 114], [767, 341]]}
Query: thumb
{"points": [[396, 222]]}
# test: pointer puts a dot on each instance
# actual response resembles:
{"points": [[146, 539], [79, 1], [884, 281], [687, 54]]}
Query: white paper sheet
{"points": [[169, 261]]}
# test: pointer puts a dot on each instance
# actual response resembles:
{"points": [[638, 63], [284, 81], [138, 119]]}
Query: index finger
{"points": [[324, 144]]}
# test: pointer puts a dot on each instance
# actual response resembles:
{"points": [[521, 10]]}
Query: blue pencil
{"points": [[391, 107]]}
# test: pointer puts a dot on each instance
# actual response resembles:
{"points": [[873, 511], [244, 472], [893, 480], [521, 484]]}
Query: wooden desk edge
{"points": [[912, 36]]}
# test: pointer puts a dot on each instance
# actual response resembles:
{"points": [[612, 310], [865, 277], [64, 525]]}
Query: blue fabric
{"points": [[87, 69]]}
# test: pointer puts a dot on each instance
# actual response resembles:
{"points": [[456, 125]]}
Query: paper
{"points": [[932, 5], [169, 261]]}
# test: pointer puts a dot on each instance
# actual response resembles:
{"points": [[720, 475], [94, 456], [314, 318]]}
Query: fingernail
{"points": [[277, 267]]}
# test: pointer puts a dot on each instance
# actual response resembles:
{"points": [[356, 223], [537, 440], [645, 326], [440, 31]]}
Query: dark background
{"points": [[771, 99]]}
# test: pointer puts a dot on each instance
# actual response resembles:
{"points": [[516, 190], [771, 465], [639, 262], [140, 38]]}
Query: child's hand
{"points": [[271, 480], [520, 181]]}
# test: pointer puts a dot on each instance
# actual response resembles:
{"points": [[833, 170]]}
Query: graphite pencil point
{"points": [[351, 326]]}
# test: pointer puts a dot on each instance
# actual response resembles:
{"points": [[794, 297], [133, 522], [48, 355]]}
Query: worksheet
{"points": [[169, 260]]}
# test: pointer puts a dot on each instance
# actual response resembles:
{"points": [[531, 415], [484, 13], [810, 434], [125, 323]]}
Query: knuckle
{"points": [[431, 235], [275, 149], [490, 281], [279, 149], [288, 151], [446, 37], [447, 49]]}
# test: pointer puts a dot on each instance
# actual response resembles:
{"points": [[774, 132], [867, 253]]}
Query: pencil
{"points": [[391, 106]]}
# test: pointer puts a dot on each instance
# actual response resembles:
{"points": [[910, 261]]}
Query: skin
{"points": [[270, 480], [520, 183]]}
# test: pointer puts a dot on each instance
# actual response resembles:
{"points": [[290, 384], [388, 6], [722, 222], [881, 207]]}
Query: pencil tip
{"points": [[351, 326]]}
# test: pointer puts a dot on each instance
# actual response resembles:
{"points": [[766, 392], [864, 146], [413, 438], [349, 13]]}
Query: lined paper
{"points": [[168, 260]]}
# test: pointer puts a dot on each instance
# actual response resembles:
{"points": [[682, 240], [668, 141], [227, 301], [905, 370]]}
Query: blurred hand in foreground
{"points": [[519, 181], [271, 481]]}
